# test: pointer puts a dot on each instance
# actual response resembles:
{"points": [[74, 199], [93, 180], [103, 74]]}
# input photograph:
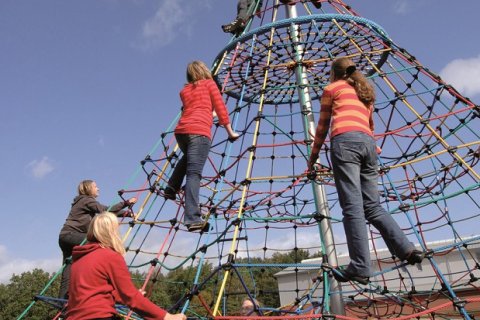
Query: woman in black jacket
{"points": [[84, 208]]}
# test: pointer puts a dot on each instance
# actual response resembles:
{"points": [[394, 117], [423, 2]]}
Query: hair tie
{"points": [[350, 70]]}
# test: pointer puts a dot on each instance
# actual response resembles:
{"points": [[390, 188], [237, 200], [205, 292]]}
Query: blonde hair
{"points": [[104, 230], [344, 68], [197, 70], [86, 188]]}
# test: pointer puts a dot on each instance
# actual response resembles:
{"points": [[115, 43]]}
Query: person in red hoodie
{"points": [[201, 100], [100, 277]]}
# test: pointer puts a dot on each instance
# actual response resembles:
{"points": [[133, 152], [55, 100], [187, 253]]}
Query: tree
{"points": [[20, 291]]}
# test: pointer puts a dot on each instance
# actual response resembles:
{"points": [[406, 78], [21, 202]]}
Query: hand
{"points": [[128, 213], [132, 201], [178, 316], [379, 150], [311, 162], [233, 136]]}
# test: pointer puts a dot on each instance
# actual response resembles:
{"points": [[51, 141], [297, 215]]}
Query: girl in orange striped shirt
{"points": [[347, 106]]}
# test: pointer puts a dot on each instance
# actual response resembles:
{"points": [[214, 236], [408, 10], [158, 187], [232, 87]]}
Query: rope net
{"points": [[262, 204]]}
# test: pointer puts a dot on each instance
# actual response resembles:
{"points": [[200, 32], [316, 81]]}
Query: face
{"points": [[95, 189], [247, 308]]}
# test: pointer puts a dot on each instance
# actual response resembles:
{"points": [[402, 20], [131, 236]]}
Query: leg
{"points": [[393, 236], [66, 242], [242, 9], [176, 179], [238, 25], [346, 158], [197, 154]]}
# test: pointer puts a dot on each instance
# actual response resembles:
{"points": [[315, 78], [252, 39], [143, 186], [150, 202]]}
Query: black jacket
{"points": [[84, 208]]}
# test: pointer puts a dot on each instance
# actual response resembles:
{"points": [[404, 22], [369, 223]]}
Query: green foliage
{"points": [[166, 290], [20, 291]]}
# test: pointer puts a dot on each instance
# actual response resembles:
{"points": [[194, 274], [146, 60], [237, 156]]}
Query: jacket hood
{"points": [[79, 197], [80, 251]]}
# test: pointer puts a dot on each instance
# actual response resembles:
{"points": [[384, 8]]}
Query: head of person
{"points": [[248, 307], [343, 68], [88, 188], [103, 230], [196, 71]]}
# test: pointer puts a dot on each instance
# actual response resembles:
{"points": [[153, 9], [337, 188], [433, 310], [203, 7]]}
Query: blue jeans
{"points": [[195, 150], [354, 162]]}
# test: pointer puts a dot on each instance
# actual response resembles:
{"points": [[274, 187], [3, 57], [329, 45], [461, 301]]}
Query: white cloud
{"points": [[12, 265], [101, 141], [40, 168], [170, 21], [464, 75], [401, 7]]}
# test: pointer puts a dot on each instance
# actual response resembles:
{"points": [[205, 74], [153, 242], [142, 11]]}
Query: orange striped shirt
{"points": [[341, 108], [199, 101]]}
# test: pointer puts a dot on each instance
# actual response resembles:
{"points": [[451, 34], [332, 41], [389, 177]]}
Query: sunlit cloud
{"points": [[101, 141], [40, 168], [10, 265], [464, 75], [401, 7], [170, 21]]}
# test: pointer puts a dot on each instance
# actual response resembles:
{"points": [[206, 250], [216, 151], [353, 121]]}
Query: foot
{"points": [[414, 257], [316, 3], [286, 1], [344, 276], [234, 27], [169, 193], [201, 226]]}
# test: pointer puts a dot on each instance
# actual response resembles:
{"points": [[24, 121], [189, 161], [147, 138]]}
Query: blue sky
{"points": [[87, 87]]}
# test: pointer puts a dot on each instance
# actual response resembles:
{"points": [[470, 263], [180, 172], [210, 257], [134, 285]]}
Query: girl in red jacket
{"points": [[201, 99], [100, 277], [347, 106]]}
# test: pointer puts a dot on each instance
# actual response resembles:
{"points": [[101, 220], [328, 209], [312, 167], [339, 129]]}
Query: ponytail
{"points": [[344, 68]]}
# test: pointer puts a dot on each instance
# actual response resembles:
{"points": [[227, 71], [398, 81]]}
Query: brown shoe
{"points": [[201, 226], [344, 276], [414, 257], [169, 193]]}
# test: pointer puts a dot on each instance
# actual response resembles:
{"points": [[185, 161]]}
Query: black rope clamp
{"points": [[312, 174], [246, 182], [459, 303], [319, 217]]}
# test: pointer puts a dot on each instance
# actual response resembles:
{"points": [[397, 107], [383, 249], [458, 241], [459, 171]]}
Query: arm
{"points": [[220, 109], [322, 127], [372, 127], [372, 124], [93, 205]]}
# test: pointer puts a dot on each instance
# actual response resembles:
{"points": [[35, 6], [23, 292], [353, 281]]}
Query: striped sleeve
{"points": [[218, 104], [324, 120]]}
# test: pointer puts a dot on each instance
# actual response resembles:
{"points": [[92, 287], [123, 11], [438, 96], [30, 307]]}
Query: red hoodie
{"points": [[98, 278]]}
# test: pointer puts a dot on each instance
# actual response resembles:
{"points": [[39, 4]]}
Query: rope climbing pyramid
{"points": [[264, 206]]}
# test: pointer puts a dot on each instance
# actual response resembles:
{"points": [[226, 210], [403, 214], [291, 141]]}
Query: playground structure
{"points": [[260, 200]]}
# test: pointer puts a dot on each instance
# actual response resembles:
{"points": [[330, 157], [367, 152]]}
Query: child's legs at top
{"points": [[180, 170], [393, 236], [346, 153], [242, 9], [197, 154]]}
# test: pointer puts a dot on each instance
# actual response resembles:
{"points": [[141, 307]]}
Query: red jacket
{"points": [[199, 100], [99, 278]]}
